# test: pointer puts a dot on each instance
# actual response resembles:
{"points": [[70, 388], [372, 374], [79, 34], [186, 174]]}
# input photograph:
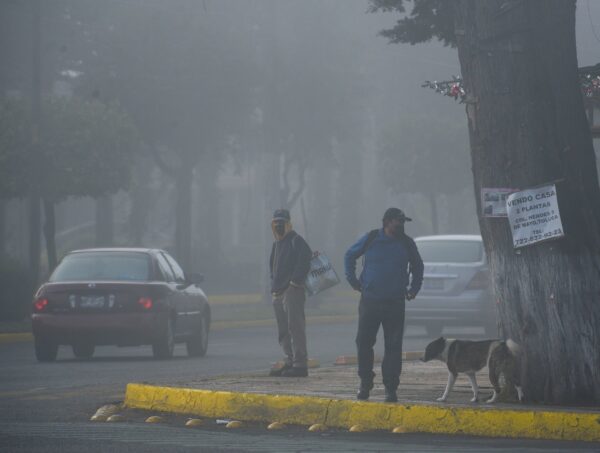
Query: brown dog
{"points": [[464, 356]]}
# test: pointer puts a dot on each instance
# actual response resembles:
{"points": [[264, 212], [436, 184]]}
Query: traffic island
{"points": [[326, 398]]}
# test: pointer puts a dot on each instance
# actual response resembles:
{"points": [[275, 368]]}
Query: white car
{"points": [[456, 287]]}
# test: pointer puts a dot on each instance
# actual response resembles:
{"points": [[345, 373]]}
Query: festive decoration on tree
{"points": [[453, 88], [590, 85], [589, 79]]}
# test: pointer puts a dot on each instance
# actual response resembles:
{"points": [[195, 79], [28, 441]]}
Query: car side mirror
{"points": [[194, 278]]}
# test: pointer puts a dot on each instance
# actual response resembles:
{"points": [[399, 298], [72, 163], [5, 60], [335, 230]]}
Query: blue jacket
{"points": [[387, 265]]}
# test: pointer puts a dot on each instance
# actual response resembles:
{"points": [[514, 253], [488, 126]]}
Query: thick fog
{"points": [[239, 107]]}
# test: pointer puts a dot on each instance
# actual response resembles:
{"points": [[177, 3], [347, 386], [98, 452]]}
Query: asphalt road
{"points": [[46, 407]]}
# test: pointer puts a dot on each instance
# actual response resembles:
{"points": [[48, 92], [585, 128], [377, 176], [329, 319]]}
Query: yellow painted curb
{"points": [[15, 337], [305, 410]]}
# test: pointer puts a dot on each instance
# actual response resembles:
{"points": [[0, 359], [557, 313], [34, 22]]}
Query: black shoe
{"points": [[364, 391], [279, 371], [295, 372], [363, 394], [390, 396]]}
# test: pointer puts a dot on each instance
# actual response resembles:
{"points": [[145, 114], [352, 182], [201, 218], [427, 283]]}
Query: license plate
{"points": [[433, 283], [91, 302]]}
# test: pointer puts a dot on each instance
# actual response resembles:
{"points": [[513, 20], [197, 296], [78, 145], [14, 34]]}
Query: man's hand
{"points": [[410, 296], [296, 285]]}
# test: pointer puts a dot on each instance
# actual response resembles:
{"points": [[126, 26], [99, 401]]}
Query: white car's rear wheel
{"points": [[45, 350]]}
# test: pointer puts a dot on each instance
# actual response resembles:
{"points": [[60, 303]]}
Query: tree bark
{"points": [[104, 221], [183, 220], [206, 225], [2, 227], [527, 127], [50, 233], [35, 217], [35, 243]]}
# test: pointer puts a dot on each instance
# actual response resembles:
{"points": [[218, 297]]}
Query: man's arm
{"points": [[353, 253], [271, 260], [415, 270], [304, 255]]}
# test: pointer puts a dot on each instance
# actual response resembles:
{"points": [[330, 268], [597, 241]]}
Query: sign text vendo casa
{"points": [[534, 215]]}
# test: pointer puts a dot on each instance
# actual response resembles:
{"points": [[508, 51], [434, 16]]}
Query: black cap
{"points": [[395, 213], [281, 214]]}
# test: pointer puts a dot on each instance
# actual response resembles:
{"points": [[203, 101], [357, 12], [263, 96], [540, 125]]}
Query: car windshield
{"points": [[98, 266], [450, 251]]}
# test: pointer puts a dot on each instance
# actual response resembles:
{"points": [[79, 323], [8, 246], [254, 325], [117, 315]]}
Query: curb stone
{"points": [[416, 418]]}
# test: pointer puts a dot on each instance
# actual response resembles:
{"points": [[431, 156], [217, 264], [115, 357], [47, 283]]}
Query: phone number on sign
{"points": [[539, 237]]}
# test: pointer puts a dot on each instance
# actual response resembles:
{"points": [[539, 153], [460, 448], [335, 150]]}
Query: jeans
{"points": [[372, 314]]}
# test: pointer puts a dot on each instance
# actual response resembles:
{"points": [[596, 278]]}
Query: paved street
{"points": [[46, 407]]}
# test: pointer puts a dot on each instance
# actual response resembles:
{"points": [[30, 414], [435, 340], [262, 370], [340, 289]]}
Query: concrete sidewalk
{"points": [[327, 397]]}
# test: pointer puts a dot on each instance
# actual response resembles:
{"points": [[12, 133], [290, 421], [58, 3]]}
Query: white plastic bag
{"points": [[321, 275]]}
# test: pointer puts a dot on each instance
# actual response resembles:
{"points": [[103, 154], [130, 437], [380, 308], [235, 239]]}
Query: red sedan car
{"points": [[123, 297]]}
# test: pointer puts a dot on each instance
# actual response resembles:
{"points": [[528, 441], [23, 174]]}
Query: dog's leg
{"points": [[494, 380], [449, 385], [519, 393], [474, 386], [516, 378]]}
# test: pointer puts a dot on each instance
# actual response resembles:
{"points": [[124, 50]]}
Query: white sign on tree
{"points": [[534, 216]]}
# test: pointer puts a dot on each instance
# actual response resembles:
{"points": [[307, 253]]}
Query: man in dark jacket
{"points": [[289, 264], [390, 256]]}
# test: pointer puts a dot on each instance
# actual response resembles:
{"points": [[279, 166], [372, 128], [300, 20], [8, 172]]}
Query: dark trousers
{"points": [[291, 325], [389, 314]]}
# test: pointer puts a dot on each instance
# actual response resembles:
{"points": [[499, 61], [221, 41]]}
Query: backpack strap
{"points": [[370, 238]]}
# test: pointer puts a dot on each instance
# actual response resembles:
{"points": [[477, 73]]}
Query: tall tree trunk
{"points": [[141, 196], [183, 220], [527, 126], [104, 221], [36, 115], [50, 233], [435, 223], [206, 224], [2, 227], [35, 243]]}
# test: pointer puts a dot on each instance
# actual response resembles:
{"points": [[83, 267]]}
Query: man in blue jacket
{"points": [[390, 257]]}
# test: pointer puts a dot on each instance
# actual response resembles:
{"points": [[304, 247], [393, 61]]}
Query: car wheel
{"points": [[434, 330], [197, 345], [45, 350], [83, 350], [163, 348]]}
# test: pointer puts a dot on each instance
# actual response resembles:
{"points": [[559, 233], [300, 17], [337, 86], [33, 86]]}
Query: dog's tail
{"points": [[513, 347]]}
